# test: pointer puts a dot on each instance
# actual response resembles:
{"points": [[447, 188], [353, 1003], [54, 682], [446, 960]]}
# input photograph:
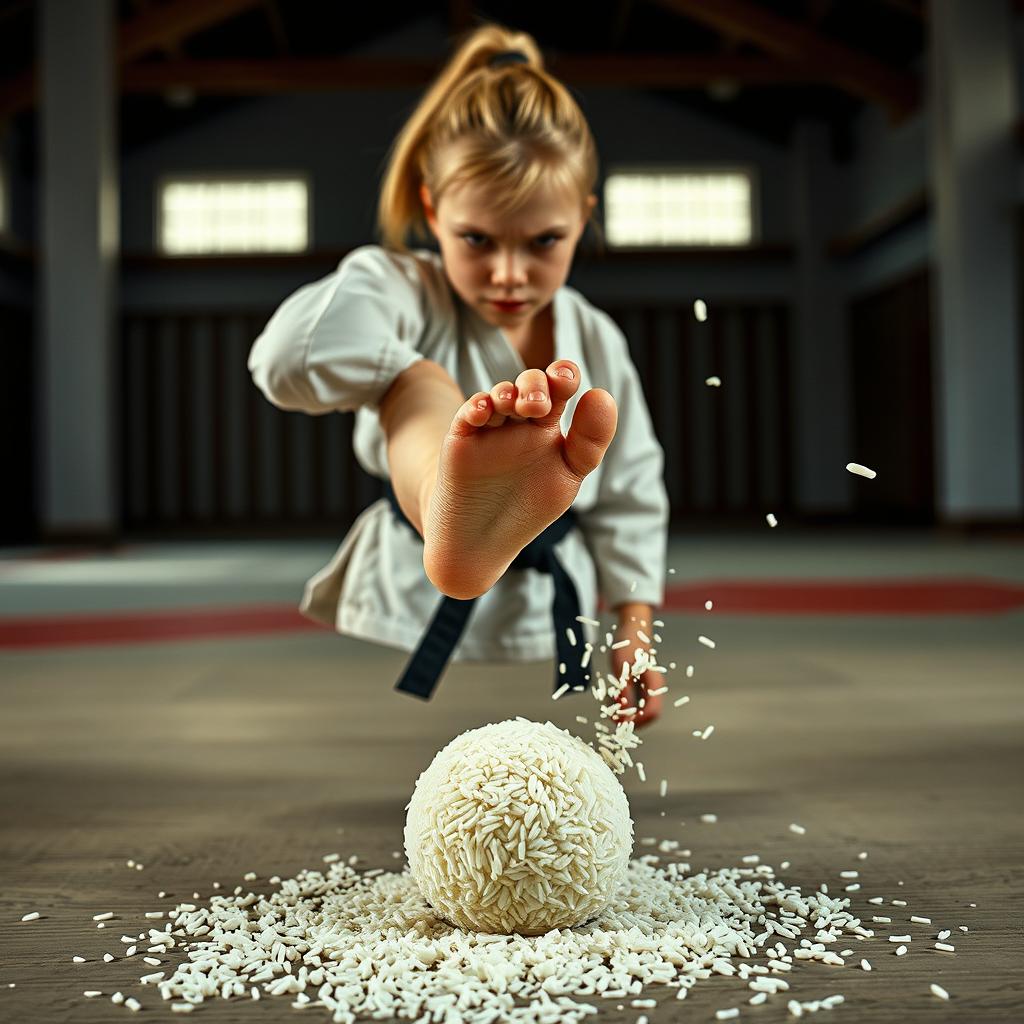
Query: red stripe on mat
{"points": [[767, 597], [150, 627], [848, 597]]}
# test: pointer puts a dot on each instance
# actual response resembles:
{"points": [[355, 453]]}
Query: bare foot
{"points": [[505, 472]]}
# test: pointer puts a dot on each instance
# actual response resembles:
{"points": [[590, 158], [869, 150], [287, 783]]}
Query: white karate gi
{"points": [[336, 346]]}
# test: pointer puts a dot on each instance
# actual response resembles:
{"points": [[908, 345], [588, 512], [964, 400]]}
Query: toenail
{"points": [[564, 371], [536, 396], [505, 395], [482, 404]]}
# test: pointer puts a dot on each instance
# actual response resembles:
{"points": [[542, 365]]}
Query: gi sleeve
{"points": [[337, 344], [626, 530]]}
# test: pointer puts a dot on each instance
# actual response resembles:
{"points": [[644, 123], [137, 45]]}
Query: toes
{"points": [[503, 397], [592, 429], [473, 414], [533, 400], [563, 380], [563, 377]]}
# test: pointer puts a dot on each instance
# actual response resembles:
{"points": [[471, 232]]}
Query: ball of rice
{"points": [[518, 827]]}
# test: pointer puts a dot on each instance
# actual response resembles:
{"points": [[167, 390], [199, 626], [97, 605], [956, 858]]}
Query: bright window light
{"points": [[676, 208], [232, 216]]}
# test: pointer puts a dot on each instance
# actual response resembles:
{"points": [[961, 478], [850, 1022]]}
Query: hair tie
{"points": [[499, 60]]}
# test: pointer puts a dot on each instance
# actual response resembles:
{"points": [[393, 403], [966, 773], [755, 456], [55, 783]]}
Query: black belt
{"points": [[428, 661]]}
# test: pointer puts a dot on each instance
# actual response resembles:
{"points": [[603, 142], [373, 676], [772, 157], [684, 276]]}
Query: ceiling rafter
{"points": [[156, 28], [294, 75], [849, 69]]}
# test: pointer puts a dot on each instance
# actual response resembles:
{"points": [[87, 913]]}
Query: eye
{"points": [[474, 240], [547, 241]]}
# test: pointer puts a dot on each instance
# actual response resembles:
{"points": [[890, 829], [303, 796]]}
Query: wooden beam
{"points": [[265, 77], [851, 70], [171, 23], [915, 8], [276, 22], [909, 210], [153, 29]]}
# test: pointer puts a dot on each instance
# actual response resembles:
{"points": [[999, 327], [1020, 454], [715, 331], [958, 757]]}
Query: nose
{"points": [[509, 269]]}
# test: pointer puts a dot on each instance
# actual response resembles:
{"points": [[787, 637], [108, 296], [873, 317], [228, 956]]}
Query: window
{"points": [[232, 215], [676, 207]]}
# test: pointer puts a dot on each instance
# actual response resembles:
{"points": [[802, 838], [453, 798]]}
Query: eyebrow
{"points": [[470, 229]]}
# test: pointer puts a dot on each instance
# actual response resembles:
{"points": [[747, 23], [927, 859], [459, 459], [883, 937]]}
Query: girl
{"points": [[498, 163]]}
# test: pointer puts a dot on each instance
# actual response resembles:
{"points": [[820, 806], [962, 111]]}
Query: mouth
{"points": [[507, 306]]}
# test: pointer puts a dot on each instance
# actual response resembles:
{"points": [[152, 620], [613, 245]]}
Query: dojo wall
{"points": [[199, 449]]}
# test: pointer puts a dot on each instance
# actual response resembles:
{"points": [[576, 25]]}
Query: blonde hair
{"points": [[511, 126]]}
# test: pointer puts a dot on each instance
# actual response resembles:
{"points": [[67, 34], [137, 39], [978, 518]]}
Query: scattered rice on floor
{"points": [[364, 947]]}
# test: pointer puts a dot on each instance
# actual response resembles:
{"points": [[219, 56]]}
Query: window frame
{"points": [[229, 177], [748, 170]]}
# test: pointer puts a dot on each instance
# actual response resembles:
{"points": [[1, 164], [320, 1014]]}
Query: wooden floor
{"points": [[901, 737]]}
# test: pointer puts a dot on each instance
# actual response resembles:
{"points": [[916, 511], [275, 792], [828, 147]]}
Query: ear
{"points": [[428, 209], [588, 210]]}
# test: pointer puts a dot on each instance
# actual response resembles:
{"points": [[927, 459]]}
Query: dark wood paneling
{"points": [[891, 373], [742, 426], [298, 474], [17, 391]]}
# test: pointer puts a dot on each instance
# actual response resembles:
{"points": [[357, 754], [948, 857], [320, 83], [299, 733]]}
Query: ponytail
{"points": [[492, 114]]}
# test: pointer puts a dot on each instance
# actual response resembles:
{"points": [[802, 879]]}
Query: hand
{"points": [[633, 620]]}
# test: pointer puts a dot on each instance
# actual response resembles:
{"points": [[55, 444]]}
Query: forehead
{"points": [[474, 204]]}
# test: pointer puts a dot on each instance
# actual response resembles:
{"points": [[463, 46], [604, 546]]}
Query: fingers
{"points": [[472, 415], [592, 429]]}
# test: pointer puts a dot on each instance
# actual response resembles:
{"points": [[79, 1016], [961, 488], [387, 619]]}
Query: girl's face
{"points": [[506, 266]]}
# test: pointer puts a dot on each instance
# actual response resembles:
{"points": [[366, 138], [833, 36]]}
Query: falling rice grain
{"points": [[562, 690], [663, 787], [772, 521], [859, 470], [797, 829], [700, 309], [938, 990], [34, 916], [713, 382], [679, 703], [707, 642]]}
